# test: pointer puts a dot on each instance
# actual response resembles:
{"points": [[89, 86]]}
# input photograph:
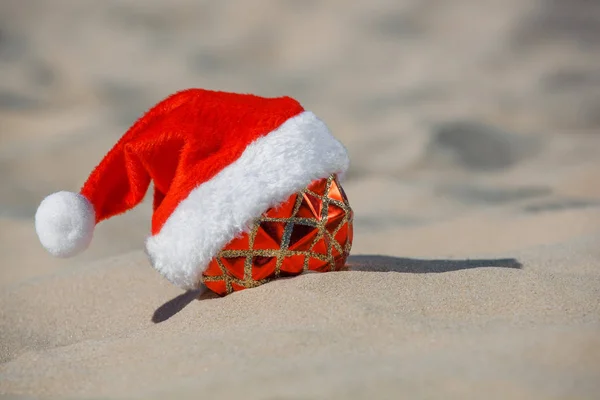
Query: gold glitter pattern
{"points": [[311, 231]]}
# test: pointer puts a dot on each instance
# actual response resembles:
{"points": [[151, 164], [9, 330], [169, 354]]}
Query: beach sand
{"points": [[473, 131]]}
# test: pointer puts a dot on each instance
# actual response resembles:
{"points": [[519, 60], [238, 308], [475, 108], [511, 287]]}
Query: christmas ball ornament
{"points": [[311, 231], [246, 189]]}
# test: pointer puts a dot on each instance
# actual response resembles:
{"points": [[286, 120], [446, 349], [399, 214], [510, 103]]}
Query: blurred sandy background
{"points": [[473, 129]]}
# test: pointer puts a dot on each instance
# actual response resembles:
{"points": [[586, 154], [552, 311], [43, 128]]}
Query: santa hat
{"points": [[218, 161]]}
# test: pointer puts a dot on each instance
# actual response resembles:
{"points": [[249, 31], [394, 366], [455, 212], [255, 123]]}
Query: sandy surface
{"points": [[473, 128]]}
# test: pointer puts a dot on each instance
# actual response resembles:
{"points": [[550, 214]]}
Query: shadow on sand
{"points": [[368, 263], [377, 263]]}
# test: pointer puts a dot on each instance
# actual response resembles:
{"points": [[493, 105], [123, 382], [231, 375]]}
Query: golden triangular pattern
{"points": [[295, 237]]}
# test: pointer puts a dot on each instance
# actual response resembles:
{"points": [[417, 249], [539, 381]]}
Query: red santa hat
{"points": [[218, 161]]}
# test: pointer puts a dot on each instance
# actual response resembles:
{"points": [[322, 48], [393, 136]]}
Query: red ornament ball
{"points": [[311, 231]]}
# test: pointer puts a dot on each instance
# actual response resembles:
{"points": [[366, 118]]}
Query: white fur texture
{"points": [[65, 223], [269, 171]]}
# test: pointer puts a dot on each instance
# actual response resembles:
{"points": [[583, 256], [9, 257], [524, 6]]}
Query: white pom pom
{"points": [[65, 223]]}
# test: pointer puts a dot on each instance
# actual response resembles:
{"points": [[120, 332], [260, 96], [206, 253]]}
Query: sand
{"points": [[473, 131]]}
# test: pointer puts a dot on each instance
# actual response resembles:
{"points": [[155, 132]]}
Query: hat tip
{"points": [[64, 223]]}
